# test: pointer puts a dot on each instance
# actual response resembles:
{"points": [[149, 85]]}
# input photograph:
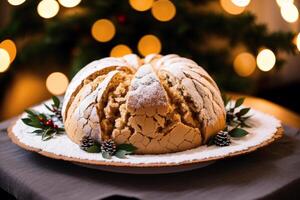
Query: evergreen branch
{"points": [[43, 123]]}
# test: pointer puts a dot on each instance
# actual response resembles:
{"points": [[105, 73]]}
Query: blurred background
{"points": [[248, 46]]}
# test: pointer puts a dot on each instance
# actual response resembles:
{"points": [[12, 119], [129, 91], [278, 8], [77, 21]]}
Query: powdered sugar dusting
{"points": [[264, 128], [89, 70], [146, 89]]}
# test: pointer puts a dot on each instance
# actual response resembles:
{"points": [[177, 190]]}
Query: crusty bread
{"points": [[160, 104]]}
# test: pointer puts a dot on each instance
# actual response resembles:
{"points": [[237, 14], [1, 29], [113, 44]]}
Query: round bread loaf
{"points": [[160, 104]]}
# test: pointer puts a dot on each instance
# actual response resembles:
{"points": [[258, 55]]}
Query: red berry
{"points": [[55, 126], [49, 122]]}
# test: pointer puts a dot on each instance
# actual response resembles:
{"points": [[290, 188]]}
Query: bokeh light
{"points": [[231, 8], [282, 2], [57, 83], [15, 2], [289, 12], [69, 3], [265, 60], [4, 60], [48, 8], [103, 30], [10, 47], [163, 10], [241, 3], [244, 64], [120, 50], [141, 5], [25, 89], [297, 41], [149, 44]]}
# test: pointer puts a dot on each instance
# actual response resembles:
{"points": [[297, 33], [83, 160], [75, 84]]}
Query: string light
{"points": [[231, 8], [69, 3], [289, 12], [10, 47], [120, 50], [244, 64], [103, 30], [48, 8], [141, 5], [282, 2], [15, 2], [4, 60], [57, 83], [265, 60], [163, 10], [241, 3]]}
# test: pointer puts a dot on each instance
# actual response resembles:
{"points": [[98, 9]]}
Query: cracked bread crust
{"points": [[160, 104]]}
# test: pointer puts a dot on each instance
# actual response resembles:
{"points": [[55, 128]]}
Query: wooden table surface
{"points": [[287, 116]]}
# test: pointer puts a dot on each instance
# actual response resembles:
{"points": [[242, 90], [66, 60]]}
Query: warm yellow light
{"points": [[241, 3], [69, 3], [120, 50], [48, 8], [231, 8], [265, 60], [10, 47], [4, 60], [163, 10], [282, 2], [289, 12], [149, 44], [244, 64], [103, 30], [57, 83], [141, 5], [15, 2], [297, 41], [26, 89]]}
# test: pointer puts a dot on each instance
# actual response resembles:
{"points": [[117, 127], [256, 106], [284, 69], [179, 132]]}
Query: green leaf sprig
{"points": [[43, 123], [236, 117], [121, 151], [55, 108]]}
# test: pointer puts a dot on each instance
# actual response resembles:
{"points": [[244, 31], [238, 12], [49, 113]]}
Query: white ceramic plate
{"points": [[265, 130]]}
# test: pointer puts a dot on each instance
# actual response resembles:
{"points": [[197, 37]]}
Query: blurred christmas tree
{"points": [[76, 32]]}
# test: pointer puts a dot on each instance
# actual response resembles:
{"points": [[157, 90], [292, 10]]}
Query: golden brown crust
{"points": [[278, 134], [171, 104]]}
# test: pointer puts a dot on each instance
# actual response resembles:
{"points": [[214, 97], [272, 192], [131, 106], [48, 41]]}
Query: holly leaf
{"points": [[238, 132], [56, 101], [48, 133], [46, 137], [30, 112], [26, 121], [243, 111], [38, 131], [106, 155], [243, 124], [239, 102], [93, 149], [127, 147], [121, 154], [48, 107]]}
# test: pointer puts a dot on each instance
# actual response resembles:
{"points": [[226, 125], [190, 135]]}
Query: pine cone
{"points": [[109, 146], [222, 139], [86, 142]]}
